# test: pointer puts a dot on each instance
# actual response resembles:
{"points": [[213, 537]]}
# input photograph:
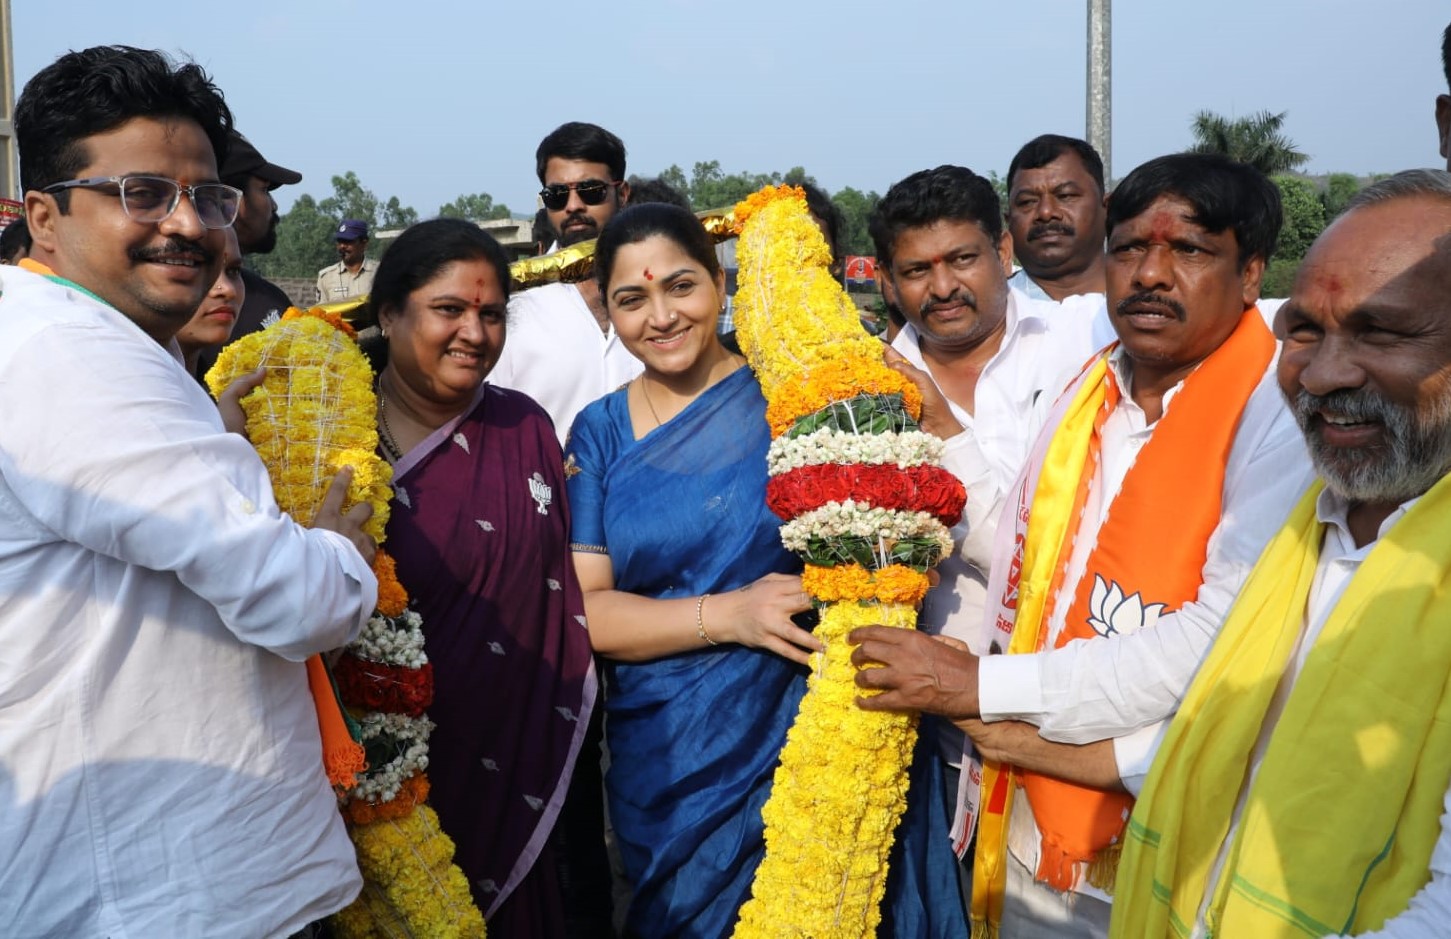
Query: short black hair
{"points": [[821, 206], [577, 140], [82, 94], [13, 240], [416, 256], [953, 193], [1446, 55], [1225, 195], [656, 190], [1044, 149], [543, 232], [635, 223]]}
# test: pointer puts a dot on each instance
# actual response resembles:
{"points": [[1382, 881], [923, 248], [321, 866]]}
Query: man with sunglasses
{"points": [[561, 350], [160, 762]]}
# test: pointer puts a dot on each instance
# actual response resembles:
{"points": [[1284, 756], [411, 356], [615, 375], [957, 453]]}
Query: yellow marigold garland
{"points": [[841, 785], [312, 415], [835, 800], [891, 584], [411, 885]]}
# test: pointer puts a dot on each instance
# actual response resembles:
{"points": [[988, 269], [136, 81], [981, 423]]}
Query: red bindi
{"points": [[648, 275], [1331, 283]]}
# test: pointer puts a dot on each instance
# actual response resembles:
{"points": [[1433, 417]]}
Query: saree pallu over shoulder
{"points": [[694, 738], [480, 532]]}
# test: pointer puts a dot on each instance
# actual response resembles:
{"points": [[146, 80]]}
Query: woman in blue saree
{"points": [[690, 596]]}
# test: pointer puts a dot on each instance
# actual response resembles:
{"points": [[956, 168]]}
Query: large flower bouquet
{"points": [[312, 415], [868, 506]]}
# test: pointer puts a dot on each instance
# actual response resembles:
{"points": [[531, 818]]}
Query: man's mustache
{"points": [[1147, 298]]}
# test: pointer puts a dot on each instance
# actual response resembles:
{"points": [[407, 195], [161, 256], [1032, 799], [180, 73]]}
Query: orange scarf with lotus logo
{"points": [[1148, 559]]}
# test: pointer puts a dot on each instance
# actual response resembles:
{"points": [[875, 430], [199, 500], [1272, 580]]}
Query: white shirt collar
{"points": [[1332, 508], [1020, 315]]}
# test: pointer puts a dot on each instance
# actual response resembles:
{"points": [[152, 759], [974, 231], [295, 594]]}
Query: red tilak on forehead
{"points": [[936, 260], [1330, 283], [1160, 226], [648, 275]]}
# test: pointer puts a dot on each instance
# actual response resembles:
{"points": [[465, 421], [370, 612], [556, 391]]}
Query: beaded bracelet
{"points": [[700, 621]]}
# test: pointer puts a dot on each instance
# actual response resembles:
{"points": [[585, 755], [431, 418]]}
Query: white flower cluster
{"points": [[908, 448], [381, 783], [853, 519], [392, 641]]}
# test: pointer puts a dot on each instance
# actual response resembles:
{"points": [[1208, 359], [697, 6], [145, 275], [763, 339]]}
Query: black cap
{"points": [[243, 160]]}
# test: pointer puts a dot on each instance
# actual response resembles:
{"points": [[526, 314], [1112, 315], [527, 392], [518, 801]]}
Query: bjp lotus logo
{"points": [[1110, 613]]}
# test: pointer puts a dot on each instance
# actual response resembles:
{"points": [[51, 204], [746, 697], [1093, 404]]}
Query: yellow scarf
{"points": [[1179, 475], [1339, 825]]}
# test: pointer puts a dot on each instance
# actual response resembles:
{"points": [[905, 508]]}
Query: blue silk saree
{"points": [[694, 738]]}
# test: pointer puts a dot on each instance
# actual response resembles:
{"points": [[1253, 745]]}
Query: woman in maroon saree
{"points": [[479, 530]]}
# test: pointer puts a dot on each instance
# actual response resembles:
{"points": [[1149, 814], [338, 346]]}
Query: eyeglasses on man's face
{"points": [[590, 192], [153, 198]]}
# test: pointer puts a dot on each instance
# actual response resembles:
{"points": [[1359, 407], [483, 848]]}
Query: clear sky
{"points": [[429, 99]]}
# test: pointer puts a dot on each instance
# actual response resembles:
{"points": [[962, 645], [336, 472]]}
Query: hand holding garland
{"points": [[632, 628], [911, 671], [349, 524], [937, 417], [229, 402]]}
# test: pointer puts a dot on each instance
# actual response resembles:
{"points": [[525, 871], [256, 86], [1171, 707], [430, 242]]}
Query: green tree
{"points": [[674, 177], [396, 215], [856, 209], [351, 199], [1339, 188], [304, 242], [478, 207], [1256, 140], [1304, 216], [1000, 186], [304, 235]]}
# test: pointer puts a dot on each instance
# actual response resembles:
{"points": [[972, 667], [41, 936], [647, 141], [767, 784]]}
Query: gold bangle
{"points": [[700, 620]]}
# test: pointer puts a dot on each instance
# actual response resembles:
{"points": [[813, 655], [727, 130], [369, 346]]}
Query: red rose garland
{"points": [[376, 686], [930, 489]]}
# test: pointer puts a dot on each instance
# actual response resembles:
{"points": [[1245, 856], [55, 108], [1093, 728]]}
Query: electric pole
{"points": [[1100, 95]]}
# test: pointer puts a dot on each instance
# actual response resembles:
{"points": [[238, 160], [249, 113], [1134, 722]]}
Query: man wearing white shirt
{"points": [[1313, 745], [1174, 461], [562, 350], [987, 359], [1055, 214], [160, 763]]}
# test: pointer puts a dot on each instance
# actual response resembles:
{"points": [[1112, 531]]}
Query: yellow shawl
{"points": [[1339, 825]]}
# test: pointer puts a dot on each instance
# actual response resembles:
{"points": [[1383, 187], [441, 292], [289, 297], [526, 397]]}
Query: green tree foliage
{"points": [[351, 199], [856, 208], [478, 207], [304, 234], [1304, 216], [304, 242], [1256, 140], [1339, 188], [711, 188]]}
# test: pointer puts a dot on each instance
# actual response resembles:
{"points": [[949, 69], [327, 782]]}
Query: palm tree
{"points": [[1255, 140]]}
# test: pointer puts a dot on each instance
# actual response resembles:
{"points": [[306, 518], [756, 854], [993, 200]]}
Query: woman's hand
{"points": [[234, 419], [759, 615]]}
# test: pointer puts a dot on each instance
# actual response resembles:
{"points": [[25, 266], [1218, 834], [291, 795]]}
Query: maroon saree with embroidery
{"points": [[480, 531]]}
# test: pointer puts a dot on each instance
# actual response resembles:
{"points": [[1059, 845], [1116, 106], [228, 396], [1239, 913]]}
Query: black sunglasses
{"points": [[591, 192]]}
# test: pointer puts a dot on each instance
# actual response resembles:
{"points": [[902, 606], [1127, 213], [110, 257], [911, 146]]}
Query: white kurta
{"points": [[160, 769], [555, 352], [1043, 347]]}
